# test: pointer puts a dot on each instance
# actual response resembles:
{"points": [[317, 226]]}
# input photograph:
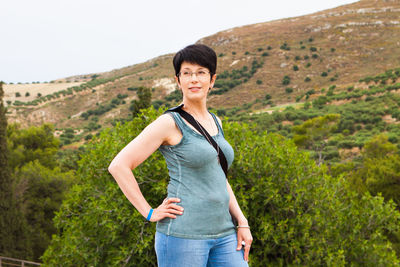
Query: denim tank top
{"points": [[196, 177]]}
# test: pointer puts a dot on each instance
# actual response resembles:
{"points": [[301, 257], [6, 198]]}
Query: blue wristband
{"points": [[149, 216]]}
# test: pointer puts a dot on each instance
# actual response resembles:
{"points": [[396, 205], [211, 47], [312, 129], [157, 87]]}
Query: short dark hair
{"points": [[196, 54]]}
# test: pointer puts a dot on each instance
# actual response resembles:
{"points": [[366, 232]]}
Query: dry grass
{"points": [[33, 90]]}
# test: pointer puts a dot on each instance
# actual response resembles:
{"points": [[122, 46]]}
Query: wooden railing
{"points": [[5, 262]]}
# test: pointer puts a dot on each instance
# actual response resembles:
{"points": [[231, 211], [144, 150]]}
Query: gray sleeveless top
{"points": [[196, 177]]}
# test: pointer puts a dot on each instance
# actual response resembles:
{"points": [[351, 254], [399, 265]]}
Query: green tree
{"points": [[313, 134], [13, 231], [33, 143], [380, 169], [299, 215], [39, 192], [143, 101]]}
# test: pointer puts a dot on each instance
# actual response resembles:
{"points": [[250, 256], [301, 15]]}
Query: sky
{"points": [[43, 40]]}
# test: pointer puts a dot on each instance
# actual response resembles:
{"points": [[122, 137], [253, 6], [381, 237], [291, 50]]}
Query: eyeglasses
{"points": [[200, 74]]}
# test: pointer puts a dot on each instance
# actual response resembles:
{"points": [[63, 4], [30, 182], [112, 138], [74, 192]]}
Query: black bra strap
{"points": [[189, 118]]}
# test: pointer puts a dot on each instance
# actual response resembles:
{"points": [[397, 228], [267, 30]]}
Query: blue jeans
{"points": [[181, 252]]}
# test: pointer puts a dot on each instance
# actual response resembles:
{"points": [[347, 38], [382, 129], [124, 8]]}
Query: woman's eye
{"points": [[201, 72]]}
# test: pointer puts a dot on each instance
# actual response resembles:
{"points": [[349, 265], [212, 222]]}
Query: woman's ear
{"points": [[177, 81], [213, 78]]}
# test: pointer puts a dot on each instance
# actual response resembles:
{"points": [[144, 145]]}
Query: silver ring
{"points": [[243, 243]]}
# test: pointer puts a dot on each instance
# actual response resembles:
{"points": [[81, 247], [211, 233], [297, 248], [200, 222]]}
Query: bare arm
{"points": [[234, 208], [243, 232], [132, 155]]}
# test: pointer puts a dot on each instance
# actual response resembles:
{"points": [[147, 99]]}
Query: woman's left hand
{"points": [[244, 234]]}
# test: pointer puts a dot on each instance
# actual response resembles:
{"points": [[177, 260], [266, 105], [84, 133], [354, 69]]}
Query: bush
{"points": [[299, 215], [307, 79], [295, 68], [286, 80], [17, 94], [265, 54], [288, 90], [285, 46], [314, 56], [308, 64], [268, 97], [324, 74], [259, 82], [313, 49]]}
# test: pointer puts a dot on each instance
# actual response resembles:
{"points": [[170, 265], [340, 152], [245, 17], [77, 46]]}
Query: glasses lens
{"points": [[201, 74]]}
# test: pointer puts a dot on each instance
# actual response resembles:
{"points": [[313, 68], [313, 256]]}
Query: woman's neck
{"points": [[199, 109]]}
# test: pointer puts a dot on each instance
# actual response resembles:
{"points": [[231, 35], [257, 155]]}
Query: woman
{"points": [[194, 223]]}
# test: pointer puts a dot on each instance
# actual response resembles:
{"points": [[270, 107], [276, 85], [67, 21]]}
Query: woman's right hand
{"points": [[167, 209]]}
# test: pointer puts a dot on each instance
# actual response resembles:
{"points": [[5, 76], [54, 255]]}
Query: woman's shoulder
{"points": [[164, 121]]}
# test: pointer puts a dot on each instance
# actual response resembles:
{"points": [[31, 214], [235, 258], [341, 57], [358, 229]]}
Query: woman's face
{"points": [[194, 81]]}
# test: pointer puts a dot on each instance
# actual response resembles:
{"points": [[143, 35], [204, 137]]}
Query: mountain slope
{"points": [[332, 47]]}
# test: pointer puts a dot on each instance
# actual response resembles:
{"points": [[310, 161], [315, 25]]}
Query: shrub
{"points": [[333, 49], [260, 49], [269, 47], [233, 53], [265, 54], [27, 94], [286, 80], [259, 82], [288, 90], [314, 56], [267, 97], [324, 74], [247, 52], [308, 64], [17, 94], [297, 58], [295, 68], [307, 79], [299, 215], [313, 49], [285, 46]]}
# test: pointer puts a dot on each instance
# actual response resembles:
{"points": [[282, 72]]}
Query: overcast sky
{"points": [[42, 40]]}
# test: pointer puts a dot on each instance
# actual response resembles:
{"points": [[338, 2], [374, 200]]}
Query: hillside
{"points": [[283, 59]]}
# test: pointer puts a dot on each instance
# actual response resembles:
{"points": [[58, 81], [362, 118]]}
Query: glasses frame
{"points": [[195, 73]]}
